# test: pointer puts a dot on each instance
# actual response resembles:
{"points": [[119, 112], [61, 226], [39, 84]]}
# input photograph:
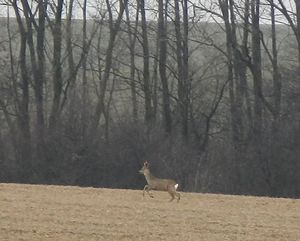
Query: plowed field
{"points": [[37, 212]]}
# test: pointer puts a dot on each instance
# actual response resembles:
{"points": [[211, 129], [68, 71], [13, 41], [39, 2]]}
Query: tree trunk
{"points": [[297, 2], [243, 69], [260, 159], [257, 72], [39, 81], [84, 107], [146, 72], [57, 68], [233, 80], [274, 147], [185, 72], [23, 119], [276, 72], [132, 42], [162, 41], [182, 65]]}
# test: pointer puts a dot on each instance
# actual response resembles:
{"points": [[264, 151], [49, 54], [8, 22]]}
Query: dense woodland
{"points": [[207, 91]]}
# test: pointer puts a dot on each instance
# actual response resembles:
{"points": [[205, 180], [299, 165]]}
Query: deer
{"points": [[159, 184]]}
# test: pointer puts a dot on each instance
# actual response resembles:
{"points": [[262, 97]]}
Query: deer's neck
{"points": [[149, 177]]}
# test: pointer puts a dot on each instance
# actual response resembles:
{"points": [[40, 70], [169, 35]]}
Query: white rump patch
{"points": [[176, 186]]}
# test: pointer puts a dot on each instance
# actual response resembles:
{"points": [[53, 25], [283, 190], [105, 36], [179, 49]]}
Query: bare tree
{"points": [[146, 59], [57, 65], [132, 37], [40, 79], [23, 117], [84, 107], [182, 63], [162, 40], [281, 6], [257, 77], [114, 26], [234, 93]]}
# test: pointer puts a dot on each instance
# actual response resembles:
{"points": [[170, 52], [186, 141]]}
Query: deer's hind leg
{"points": [[172, 196], [178, 196], [147, 189], [172, 192]]}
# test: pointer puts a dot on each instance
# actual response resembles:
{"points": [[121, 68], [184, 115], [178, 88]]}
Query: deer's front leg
{"points": [[147, 189]]}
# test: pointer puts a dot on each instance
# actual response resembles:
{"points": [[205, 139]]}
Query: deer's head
{"points": [[145, 168]]}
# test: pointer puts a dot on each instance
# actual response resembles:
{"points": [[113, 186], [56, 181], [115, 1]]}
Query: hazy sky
{"points": [[94, 4]]}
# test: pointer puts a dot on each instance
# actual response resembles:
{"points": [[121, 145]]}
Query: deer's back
{"points": [[161, 184]]}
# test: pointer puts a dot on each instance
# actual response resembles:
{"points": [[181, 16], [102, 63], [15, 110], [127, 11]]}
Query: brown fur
{"points": [[159, 184]]}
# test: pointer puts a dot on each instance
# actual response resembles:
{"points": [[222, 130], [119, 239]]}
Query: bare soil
{"points": [[39, 212]]}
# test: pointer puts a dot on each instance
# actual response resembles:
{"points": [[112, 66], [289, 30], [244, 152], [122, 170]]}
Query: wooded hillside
{"points": [[207, 93]]}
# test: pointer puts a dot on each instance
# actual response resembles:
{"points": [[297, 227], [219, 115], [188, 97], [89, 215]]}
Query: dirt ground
{"points": [[36, 212]]}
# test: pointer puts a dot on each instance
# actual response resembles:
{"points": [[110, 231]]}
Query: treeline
{"points": [[207, 92]]}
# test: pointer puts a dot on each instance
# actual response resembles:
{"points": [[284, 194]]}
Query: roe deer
{"points": [[159, 184]]}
